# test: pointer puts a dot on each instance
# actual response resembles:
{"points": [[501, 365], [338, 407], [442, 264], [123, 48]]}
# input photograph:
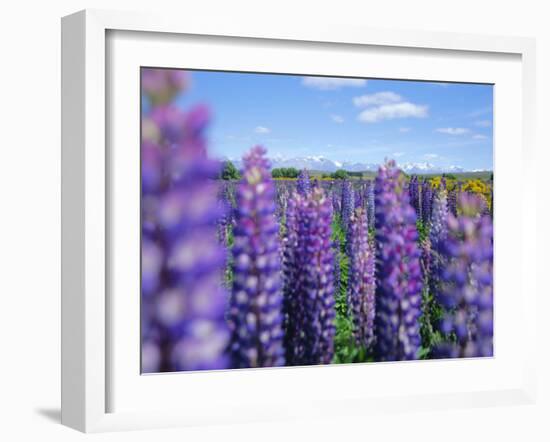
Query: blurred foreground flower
{"points": [[466, 288], [183, 300]]}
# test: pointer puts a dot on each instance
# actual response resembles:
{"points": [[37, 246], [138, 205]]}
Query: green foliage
{"points": [[432, 313], [345, 349], [340, 175], [228, 274], [423, 231], [285, 172], [229, 171]]}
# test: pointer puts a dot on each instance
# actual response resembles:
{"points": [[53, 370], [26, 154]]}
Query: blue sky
{"points": [[354, 120]]}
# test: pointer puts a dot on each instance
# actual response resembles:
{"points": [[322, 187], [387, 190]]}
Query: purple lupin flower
{"points": [[452, 200], [348, 203], [183, 299], [282, 197], [160, 86], [438, 236], [426, 260], [466, 289], [303, 184], [336, 197], [438, 221], [398, 292], [426, 201], [359, 194], [361, 282], [226, 210], [255, 314], [309, 286], [414, 194], [369, 190]]}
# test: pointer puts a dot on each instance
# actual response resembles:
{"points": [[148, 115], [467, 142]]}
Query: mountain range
{"points": [[322, 164]]}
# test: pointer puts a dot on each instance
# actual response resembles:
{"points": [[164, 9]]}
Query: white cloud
{"points": [[480, 112], [483, 123], [391, 111], [404, 129], [377, 99], [398, 154], [262, 130], [332, 83], [337, 118], [431, 156], [453, 130], [479, 137]]}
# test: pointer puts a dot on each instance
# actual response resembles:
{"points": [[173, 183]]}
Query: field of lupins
{"points": [[258, 272]]}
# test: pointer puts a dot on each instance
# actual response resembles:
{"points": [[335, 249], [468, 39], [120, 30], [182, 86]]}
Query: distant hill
{"points": [[459, 176], [324, 165]]}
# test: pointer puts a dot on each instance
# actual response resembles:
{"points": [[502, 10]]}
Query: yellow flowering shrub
{"points": [[476, 186], [479, 187], [436, 181]]}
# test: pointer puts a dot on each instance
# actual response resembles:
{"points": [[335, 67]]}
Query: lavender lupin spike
{"points": [[303, 185], [255, 314], [348, 203], [361, 282], [426, 202], [398, 292], [415, 194], [438, 236], [370, 203], [452, 200], [309, 285]]}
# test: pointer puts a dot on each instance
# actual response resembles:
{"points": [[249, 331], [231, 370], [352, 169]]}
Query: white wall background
{"points": [[30, 215]]}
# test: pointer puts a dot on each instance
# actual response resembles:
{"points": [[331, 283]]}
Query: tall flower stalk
{"points": [[309, 284], [255, 314], [438, 236], [303, 184], [183, 299], [466, 289], [398, 292], [427, 196], [348, 203], [414, 194], [361, 282], [336, 197], [453, 200], [369, 190]]}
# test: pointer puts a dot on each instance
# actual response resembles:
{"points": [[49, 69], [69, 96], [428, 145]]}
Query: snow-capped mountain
{"points": [[421, 168], [320, 163]]}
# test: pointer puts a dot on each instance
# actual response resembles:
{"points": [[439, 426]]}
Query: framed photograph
{"points": [[261, 223]]}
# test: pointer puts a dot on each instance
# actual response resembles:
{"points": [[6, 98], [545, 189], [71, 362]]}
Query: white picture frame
{"points": [[87, 210]]}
